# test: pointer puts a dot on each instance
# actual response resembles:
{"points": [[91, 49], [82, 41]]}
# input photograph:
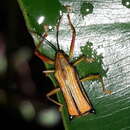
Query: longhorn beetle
{"points": [[70, 85]]}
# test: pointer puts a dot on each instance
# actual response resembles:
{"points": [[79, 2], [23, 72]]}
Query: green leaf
{"points": [[103, 32]]}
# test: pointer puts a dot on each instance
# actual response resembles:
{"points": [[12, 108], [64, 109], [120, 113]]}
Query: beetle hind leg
{"points": [[97, 77], [54, 91]]}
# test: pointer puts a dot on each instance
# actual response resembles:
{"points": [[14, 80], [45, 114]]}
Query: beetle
{"points": [[77, 100]]}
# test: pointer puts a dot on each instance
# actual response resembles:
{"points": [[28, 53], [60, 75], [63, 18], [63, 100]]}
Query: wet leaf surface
{"points": [[107, 28]]}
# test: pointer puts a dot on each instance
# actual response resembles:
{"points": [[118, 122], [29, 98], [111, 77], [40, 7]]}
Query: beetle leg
{"points": [[47, 72], [73, 37], [89, 60], [43, 58], [93, 77], [46, 29], [54, 91], [57, 31], [37, 53]]}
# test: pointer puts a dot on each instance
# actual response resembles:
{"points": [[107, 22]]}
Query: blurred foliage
{"points": [[22, 96]]}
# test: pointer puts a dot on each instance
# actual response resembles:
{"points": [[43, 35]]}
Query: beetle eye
{"points": [[86, 8]]}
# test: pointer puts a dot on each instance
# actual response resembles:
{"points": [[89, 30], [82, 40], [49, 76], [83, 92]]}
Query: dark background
{"points": [[21, 79]]}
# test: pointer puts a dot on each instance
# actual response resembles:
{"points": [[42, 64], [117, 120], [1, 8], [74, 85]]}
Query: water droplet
{"points": [[86, 8], [60, 12], [41, 19], [50, 27], [126, 3]]}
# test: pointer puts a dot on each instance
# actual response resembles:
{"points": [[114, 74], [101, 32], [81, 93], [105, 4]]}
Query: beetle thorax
{"points": [[61, 60]]}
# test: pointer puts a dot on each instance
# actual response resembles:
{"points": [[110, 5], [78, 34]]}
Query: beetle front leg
{"points": [[43, 58], [54, 91], [37, 53], [73, 33], [89, 60], [98, 77], [46, 29], [47, 72]]}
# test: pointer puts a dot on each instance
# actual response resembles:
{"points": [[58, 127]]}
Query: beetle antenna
{"points": [[44, 39], [57, 32], [50, 44]]}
